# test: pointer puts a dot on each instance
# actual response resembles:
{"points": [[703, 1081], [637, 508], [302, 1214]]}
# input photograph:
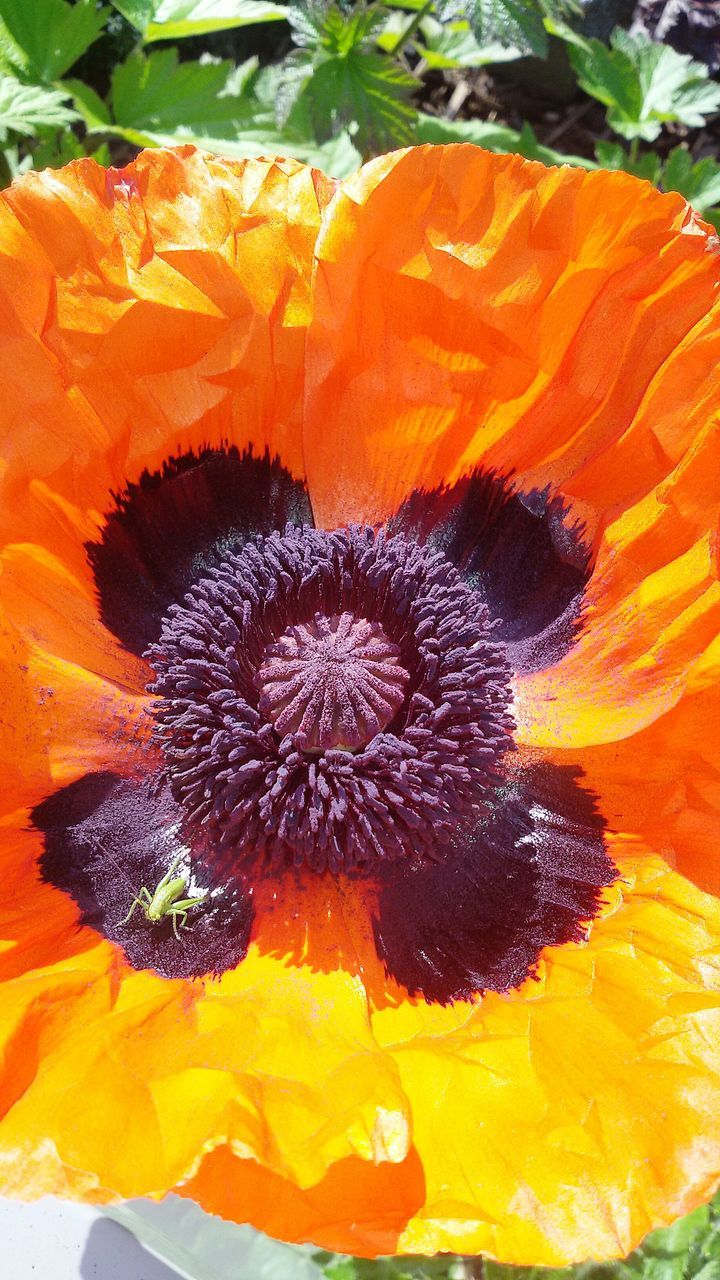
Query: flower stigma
{"points": [[333, 682], [330, 699]]}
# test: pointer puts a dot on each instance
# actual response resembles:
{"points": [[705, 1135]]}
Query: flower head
{"points": [[360, 612]]}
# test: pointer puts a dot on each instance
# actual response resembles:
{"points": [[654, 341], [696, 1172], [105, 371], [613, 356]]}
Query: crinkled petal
{"points": [[479, 308], [535, 1115], [651, 616], [554, 1094], [72, 699], [661, 786], [144, 312], [130, 1078], [466, 310], [358, 1207]]}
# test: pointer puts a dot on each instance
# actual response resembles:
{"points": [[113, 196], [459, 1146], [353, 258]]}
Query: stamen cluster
{"points": [[331, 698]]}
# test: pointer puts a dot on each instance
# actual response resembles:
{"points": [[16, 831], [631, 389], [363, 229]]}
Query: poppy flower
{"points": [[360, 583]]}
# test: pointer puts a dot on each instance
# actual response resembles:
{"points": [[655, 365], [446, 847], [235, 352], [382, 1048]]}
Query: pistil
{"points": [[334, 682]]}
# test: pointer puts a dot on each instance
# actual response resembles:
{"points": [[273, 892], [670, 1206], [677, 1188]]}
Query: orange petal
{"points": [[99, 1060], [146, 311], [661, 786], [536, 1113], [478, 308], [357, 1208], [143, 312], [651, 614], [73, 699]]}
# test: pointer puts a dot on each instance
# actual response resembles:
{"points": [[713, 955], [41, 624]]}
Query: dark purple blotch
{"points": [[105, 837], [167, 530], [526, 877], [528, 564]]}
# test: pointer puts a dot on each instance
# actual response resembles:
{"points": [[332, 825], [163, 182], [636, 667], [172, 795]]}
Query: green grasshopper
{"points": [[166, 900]]}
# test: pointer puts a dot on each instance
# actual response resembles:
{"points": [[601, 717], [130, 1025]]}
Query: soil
{"points": [[545, 95]]}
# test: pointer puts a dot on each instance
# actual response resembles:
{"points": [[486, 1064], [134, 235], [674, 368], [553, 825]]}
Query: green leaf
{"points": [[698, 182], [344, 82], [338, 1267], [341, 1269], [198, 1244], [644, 85], [89, 105], [158, 93], [139, 13], [45, 37], [516, 24], [26, 108], [158, 101], [12, 164], [176, 19], [454, 44], [612, 155], [495, 137], [367, 93], [59, 149]]}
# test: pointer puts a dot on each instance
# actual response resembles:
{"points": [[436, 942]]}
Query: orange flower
{"points": [[442, 787]]}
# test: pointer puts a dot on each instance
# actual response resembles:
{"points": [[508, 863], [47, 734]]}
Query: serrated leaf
{"points": [[48, 36], [698, 182], [454, 44], [157, 101], [285, 82], [344, 83], [644, 85], [317, 24], [157, 92], [367, 93], [26, 108], [516, 24]]}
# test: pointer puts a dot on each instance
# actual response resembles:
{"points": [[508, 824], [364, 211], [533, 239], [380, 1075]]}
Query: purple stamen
{"points": [[332, 699]]}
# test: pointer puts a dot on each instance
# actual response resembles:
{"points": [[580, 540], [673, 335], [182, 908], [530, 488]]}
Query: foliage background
{"points": [[619, 84], [333, 82]]}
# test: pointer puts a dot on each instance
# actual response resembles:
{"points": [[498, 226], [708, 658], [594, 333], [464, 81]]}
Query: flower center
{"points": [[334, 682], [331, 699]]}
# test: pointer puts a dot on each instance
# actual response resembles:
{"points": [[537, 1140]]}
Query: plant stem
{"points": [[410, 29]]}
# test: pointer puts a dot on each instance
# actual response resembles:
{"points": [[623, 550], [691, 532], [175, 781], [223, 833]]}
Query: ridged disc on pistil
{"points": [[334, 681]]}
